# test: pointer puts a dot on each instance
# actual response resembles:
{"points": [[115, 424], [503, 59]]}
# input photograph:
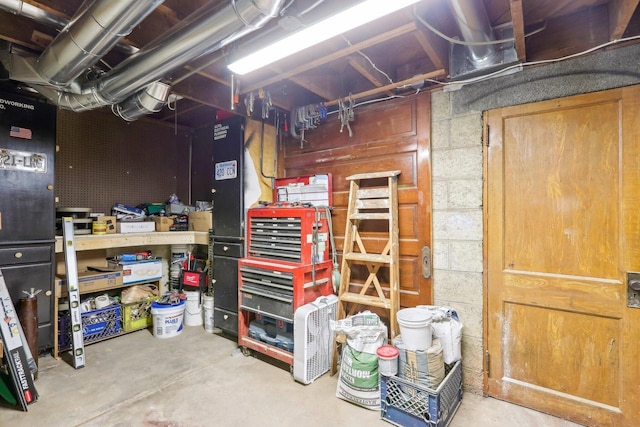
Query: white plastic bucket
{"points": [[208, 312], [193, 309], [167, 319], [388, 360], [415, 328]]}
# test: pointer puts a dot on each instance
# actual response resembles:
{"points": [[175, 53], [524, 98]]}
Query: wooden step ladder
{"points": [[370, 204]]}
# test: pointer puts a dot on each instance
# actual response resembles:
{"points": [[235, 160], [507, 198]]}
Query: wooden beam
{"points": [[517, 19], [397, 32], [362, 66], [355, 97], [620, 13], [435, 47]]}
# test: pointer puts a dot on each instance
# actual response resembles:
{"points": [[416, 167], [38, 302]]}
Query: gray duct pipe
{"points": [[19, 7], [474, 25], [204, 31], [93, 31]]}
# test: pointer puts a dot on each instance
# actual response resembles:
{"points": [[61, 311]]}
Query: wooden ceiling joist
{"points": [[620, 13], [397, 32], [367, 70], [517, 19]]}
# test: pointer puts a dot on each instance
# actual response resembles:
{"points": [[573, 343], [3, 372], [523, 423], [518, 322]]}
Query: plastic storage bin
{"points": [[96, 325], [407, 404], [137, 315]]}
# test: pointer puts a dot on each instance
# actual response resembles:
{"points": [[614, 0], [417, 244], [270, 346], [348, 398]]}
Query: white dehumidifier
{"points": [[312, 338]]}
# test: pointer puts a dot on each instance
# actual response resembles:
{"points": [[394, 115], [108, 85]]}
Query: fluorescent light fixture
{"points": [[339, 23]]}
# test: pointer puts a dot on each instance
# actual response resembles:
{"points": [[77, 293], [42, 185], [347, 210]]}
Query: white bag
{"points": [[358, 381], [447, 327]]}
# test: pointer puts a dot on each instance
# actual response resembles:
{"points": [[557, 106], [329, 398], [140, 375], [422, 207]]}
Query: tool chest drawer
{"points": [[228, 249], [25, 255], [292, 234]]}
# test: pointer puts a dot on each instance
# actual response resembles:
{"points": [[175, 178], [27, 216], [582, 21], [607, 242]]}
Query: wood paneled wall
{"points": [[386, 136]]}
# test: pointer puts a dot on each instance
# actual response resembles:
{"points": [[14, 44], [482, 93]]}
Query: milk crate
{"points": [[408, 404], [137, 315], [96, 325]]}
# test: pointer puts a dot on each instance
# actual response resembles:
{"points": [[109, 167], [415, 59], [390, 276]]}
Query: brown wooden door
{"points": [[386, 136], [563, 193]]}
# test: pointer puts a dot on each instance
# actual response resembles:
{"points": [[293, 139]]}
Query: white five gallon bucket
{"points": [[167, 319], [193, 309], [208, 312], [415, 328]]}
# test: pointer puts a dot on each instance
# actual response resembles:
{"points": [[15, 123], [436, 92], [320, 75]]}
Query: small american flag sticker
{"points": [[18, 132]]}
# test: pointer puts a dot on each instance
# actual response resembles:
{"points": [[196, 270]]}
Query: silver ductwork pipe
{"points": [[204, 31], [133, 88], [474, 25], [147, 101], [93, 31], [18, 7]]}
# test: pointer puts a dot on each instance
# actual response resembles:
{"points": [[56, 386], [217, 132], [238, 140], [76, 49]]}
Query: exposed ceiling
{"points": [[397, 54]]}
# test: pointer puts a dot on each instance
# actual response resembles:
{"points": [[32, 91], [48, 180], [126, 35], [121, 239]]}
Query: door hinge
{"points": [[487, 363], [487, 136]]}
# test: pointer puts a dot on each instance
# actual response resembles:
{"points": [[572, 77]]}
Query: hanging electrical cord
{"points": [[370, 61], [335, 274]]}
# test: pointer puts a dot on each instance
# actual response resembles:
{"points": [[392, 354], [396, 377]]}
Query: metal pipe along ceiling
{"points": [[135, 83], [474, 25], [92, 32]]}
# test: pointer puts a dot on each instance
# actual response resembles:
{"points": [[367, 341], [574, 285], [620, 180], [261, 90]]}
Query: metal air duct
{"points": [[93, 31], [91, 34], [474, 25], [481, 53], [135, 83], [204, 31]]}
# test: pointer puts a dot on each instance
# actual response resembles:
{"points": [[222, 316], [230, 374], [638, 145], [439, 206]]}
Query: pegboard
{"points": [[103, 160]]}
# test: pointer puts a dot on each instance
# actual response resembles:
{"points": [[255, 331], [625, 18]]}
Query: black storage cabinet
{"points": [[27, 203]]}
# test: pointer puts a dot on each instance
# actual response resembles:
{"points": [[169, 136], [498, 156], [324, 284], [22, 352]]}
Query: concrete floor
{"points": [[200, 379]]}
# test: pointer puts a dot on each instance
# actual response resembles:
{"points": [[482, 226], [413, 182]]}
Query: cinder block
{"points": [[465, 193], [457, 287], [440, 134], [441, 255], [440, 105], [457, 163], [439, 196], [457, 225], [466, 131], [465, 256]]}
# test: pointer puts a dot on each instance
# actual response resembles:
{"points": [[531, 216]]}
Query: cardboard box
{"points": [[111, 224], [164, 223], [91, 281], [200, 221], [138, 271], [135, 227]]}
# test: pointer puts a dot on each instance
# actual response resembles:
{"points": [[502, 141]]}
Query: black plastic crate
{"points": [[408, 404], [96, 325]]}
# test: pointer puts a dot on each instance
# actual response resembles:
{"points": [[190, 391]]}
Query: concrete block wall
{"points": [[456, 144]]}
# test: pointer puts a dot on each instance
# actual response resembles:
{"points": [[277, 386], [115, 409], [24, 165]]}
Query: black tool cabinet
{"points": [[27, 203], [228, 219]]}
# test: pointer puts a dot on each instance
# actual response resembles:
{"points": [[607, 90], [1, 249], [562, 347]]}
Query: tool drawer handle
{"points": [[18, 255]]}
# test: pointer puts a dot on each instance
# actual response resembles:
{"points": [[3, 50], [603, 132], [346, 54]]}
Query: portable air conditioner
{"points": [[312, 338]]}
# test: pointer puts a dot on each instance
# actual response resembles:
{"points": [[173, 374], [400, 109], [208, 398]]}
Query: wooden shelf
{"points": [[91, 242]]}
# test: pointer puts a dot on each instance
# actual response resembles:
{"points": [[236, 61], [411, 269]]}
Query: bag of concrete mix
{"points": [[447, 327], [358, 380], [423, 367]]}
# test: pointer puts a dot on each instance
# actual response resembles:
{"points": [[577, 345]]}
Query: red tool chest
{"points": [[290, 234], [288, 264]]}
